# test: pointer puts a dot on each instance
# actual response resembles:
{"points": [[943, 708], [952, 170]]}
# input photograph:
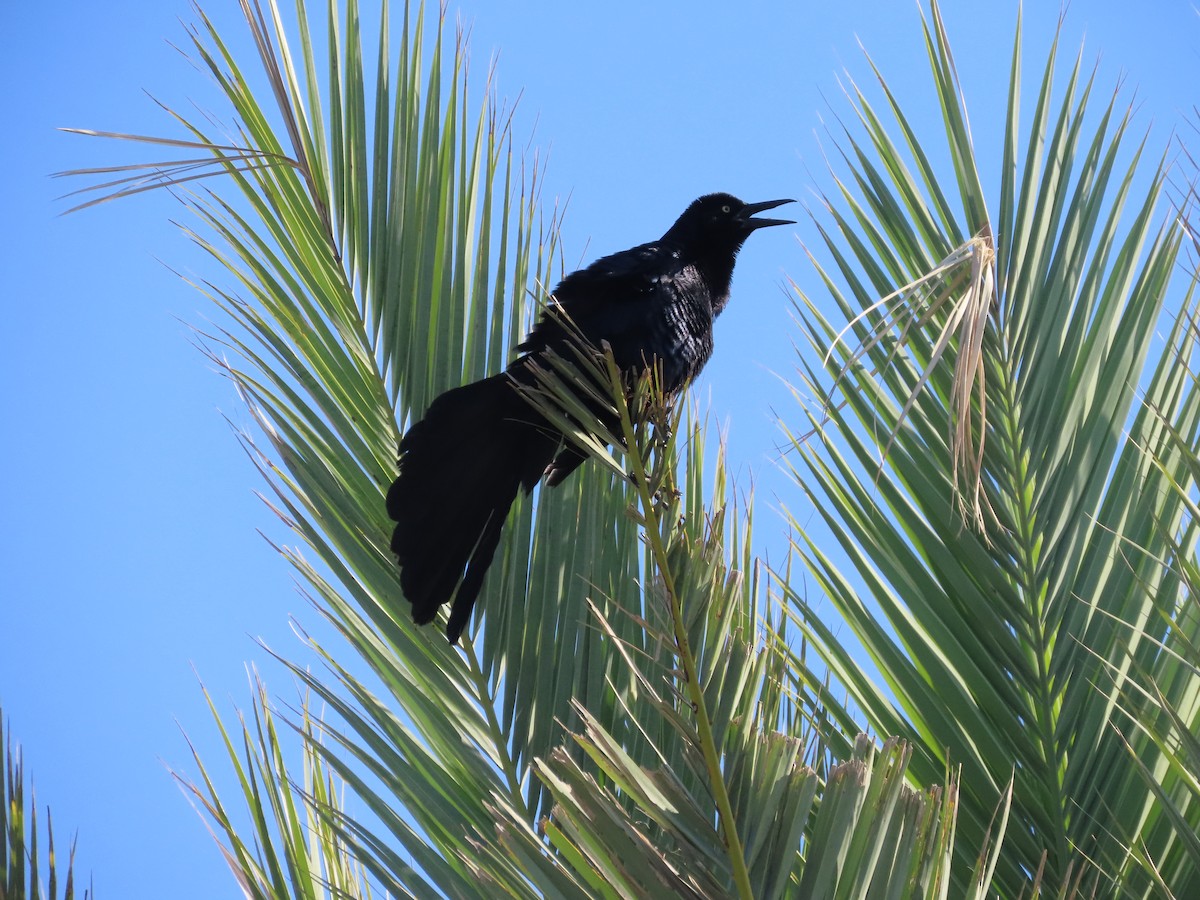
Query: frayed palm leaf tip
{"points": [[961, 291]]}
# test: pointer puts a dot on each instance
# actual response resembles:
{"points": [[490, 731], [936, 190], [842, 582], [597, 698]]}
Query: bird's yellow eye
{"points": [[725, 208]]}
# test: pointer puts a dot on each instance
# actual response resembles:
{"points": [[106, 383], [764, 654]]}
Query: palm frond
{"points": [[290, 851], [1014, 647], [27, 869]]}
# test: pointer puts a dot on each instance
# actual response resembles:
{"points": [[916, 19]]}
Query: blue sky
{"points": [[129, 528]]}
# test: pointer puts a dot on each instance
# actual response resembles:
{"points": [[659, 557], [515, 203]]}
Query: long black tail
{"points": [[460, 468]]}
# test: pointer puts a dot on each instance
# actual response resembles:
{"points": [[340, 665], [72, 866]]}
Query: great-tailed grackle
{"points": [[461, 465]]}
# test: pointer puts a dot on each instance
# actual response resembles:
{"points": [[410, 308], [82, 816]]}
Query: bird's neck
{"points": [[717, 271], [712, 257]]}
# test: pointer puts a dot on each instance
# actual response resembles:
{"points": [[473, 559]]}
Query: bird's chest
{"points": [[680, 327]]}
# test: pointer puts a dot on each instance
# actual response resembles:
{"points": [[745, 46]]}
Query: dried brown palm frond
{"points": [[961, 291]]}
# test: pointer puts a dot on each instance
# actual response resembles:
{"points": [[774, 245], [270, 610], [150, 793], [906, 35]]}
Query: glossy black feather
{"points": [[463, 463]]}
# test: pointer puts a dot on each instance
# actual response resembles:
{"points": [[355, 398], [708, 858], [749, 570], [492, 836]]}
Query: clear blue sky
{"points": [[128, 525]]}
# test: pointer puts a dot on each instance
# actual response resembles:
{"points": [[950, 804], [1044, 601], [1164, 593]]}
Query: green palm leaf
{"points": [[27, 868], [1014, 642]]}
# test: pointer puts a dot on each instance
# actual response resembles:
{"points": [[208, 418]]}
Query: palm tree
{"points": [[385, 244]]}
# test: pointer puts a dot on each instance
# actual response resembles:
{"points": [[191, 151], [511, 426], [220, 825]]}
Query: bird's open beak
{"points": [[751, 208]]}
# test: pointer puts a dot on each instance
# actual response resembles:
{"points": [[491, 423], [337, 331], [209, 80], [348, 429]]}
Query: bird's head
{"points": [[721, 222], [710, 233]]}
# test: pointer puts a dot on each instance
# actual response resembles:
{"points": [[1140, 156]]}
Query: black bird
{"points": [[461, 465]]}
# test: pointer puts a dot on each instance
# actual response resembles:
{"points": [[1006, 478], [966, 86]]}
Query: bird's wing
{"points": [[611, 298]]}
